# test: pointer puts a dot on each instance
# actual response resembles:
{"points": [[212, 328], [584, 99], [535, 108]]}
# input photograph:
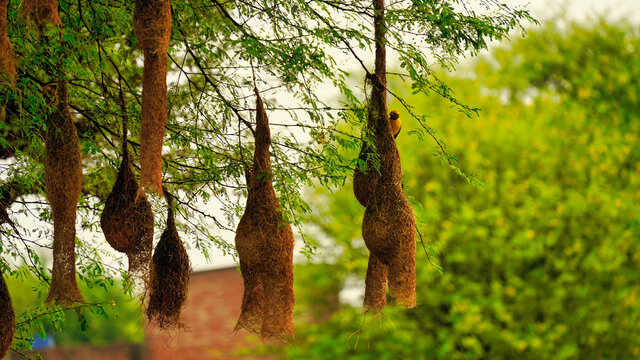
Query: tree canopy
{"points": [[298, 53]]}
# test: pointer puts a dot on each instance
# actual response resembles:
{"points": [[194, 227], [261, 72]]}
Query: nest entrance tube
{"points": [[7, 59], [265, 246], [127, 219], [63, 185], [388, 226], [152, 26], [170, 273], [7, 319]]}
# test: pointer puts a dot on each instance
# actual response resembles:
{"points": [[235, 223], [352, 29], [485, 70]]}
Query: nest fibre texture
{"points": [[7, 319], [152, 26], [170, 273], [41, 12], [388, 226], [265, 247], [7, 58], [127, 220], [365, 178], [63, 184]]}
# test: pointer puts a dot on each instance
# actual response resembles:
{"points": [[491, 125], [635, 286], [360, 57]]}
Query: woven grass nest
{"points": [[265, 247], [127, 220], [7, 319], [41, 12], [63, 184], [7, 58], [152, 26], [388, 226], [170, 274]]}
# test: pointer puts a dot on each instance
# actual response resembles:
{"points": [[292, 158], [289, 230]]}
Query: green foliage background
{"points": [[543, 260], [108, 316]]}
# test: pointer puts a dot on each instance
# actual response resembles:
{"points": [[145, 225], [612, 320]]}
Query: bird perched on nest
{"points": [[396, 124]]}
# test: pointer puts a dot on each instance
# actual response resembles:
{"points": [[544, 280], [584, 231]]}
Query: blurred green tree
{"points": [[543, 262]]}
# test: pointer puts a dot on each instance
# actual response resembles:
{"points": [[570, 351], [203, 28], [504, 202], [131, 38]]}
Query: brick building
{"points": [[212, 308]]}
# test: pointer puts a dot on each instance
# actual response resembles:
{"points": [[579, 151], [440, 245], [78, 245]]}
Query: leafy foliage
{"points": [[542, 262], [109, 315]]}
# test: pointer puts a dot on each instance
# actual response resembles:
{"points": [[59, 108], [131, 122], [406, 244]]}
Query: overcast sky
{"points": [[581, 9]]}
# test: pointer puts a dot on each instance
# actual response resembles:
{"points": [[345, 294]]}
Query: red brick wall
{"points": [[213, 306]]}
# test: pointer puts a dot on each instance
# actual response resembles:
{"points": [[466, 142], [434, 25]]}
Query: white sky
{"points": [[580, 9]]}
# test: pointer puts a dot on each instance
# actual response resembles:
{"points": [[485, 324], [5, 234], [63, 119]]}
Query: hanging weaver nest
{"points": [[265, 247], [152, 26], [127, 222], [170, 272], [365, 177], [7, 319], [41, 12], [388, 226], [7, 59], [63, 184]]}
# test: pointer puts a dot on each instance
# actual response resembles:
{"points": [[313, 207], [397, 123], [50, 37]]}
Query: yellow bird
{"points": [[396, 124]]}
